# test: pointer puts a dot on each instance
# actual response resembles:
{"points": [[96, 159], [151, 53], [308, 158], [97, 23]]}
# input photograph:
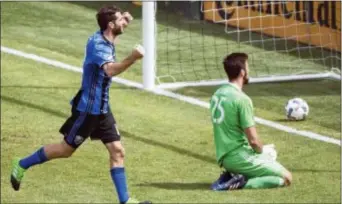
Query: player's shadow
{"points": [[40, 87], [169, 147], [124, 133], [33, 106], [72, 87], [178, 186]]}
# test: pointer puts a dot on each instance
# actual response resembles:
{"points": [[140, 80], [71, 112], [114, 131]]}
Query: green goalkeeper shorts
{"points": [[247, 162]]}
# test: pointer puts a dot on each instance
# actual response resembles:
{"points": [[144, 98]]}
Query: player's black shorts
{"points": [[80, 125]]}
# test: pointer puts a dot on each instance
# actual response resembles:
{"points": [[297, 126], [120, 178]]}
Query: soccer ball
{"points": [[297, 109]]}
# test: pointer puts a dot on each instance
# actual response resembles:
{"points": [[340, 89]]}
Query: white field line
{"points": [[170, 94]]}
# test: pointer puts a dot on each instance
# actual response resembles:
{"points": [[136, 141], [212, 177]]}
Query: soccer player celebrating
{"points": [[91, 114], [238, 147]]}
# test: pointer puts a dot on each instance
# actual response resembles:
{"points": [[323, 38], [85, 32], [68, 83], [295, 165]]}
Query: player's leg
{"points": [[110, 137], [258, 171], [46, 153], [265, 182], [42, 155], [272, 175], [75, 131], [266, 173], [117, 169]]}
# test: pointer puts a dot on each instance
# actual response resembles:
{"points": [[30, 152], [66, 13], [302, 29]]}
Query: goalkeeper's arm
{"points": [[253, 139]]}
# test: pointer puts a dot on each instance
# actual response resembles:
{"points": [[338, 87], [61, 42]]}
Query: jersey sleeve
{"points": [[246, 113], [102, 53]]}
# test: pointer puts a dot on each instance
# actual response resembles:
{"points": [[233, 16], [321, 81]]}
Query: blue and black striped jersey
{"points": [[93, 95]]}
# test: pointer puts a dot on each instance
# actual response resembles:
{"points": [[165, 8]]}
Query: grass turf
{"points": [[170, 154]]}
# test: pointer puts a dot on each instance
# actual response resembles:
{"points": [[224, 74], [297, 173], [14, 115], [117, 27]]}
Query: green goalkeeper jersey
{"points": [[231, 112]]}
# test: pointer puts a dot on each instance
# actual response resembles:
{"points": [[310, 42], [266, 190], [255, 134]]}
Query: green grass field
{"points": [[169, 145]]}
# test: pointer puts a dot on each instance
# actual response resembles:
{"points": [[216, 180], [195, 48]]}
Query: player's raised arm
{"points": [[115, 68], [112, 25], [128, 17], [103, 57]]}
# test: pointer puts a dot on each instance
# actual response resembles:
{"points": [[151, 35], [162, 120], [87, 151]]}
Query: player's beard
{"points": [[116, 31]]}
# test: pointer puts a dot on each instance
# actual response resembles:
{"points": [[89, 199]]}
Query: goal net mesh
{"points": [[280, 40]]}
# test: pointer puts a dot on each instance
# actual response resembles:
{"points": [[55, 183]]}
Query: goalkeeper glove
{"points": [[269, 152]]}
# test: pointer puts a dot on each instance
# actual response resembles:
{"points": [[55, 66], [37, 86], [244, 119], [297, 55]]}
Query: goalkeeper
{"points": [[238, 147]]}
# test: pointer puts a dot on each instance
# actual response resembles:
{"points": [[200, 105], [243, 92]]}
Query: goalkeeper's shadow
{"points": [[178, 185], [206, 186]]}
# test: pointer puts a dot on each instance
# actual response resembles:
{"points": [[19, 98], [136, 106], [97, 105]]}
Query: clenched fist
{"points": [[127, 16], [138, 52]]}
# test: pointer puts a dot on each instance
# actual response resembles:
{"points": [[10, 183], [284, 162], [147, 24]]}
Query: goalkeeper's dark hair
{"points": [[234, 63], [105, 15]]}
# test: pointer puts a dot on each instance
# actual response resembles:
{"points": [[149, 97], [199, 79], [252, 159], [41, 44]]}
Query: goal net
{"points": [[284, 41]]}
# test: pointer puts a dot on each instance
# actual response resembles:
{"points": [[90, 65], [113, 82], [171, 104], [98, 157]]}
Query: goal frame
{"points": [[149, 68]]}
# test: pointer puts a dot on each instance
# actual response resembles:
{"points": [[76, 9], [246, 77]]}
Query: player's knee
{"points": [[66, 154], [66, 150], [117, 153]]}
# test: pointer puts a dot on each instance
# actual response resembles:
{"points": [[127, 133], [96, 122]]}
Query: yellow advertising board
{"points": [[311, 22], [138, 3]]}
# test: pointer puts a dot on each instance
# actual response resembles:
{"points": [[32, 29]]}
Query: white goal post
{"points": [[150, 69], [149, 43]]}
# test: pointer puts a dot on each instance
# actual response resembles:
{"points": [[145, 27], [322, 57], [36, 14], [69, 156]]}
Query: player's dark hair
{"points": [[105, 15], [234, 63]]}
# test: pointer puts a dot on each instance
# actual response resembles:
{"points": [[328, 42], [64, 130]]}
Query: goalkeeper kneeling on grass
{"points": [[247, 162]]}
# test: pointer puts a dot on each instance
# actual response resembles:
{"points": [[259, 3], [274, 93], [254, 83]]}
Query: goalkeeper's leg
{"points": [[265, 182], [258, 171]]}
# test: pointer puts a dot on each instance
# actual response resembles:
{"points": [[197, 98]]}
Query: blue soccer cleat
{"points": [[224, 177], [236, 182]]}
